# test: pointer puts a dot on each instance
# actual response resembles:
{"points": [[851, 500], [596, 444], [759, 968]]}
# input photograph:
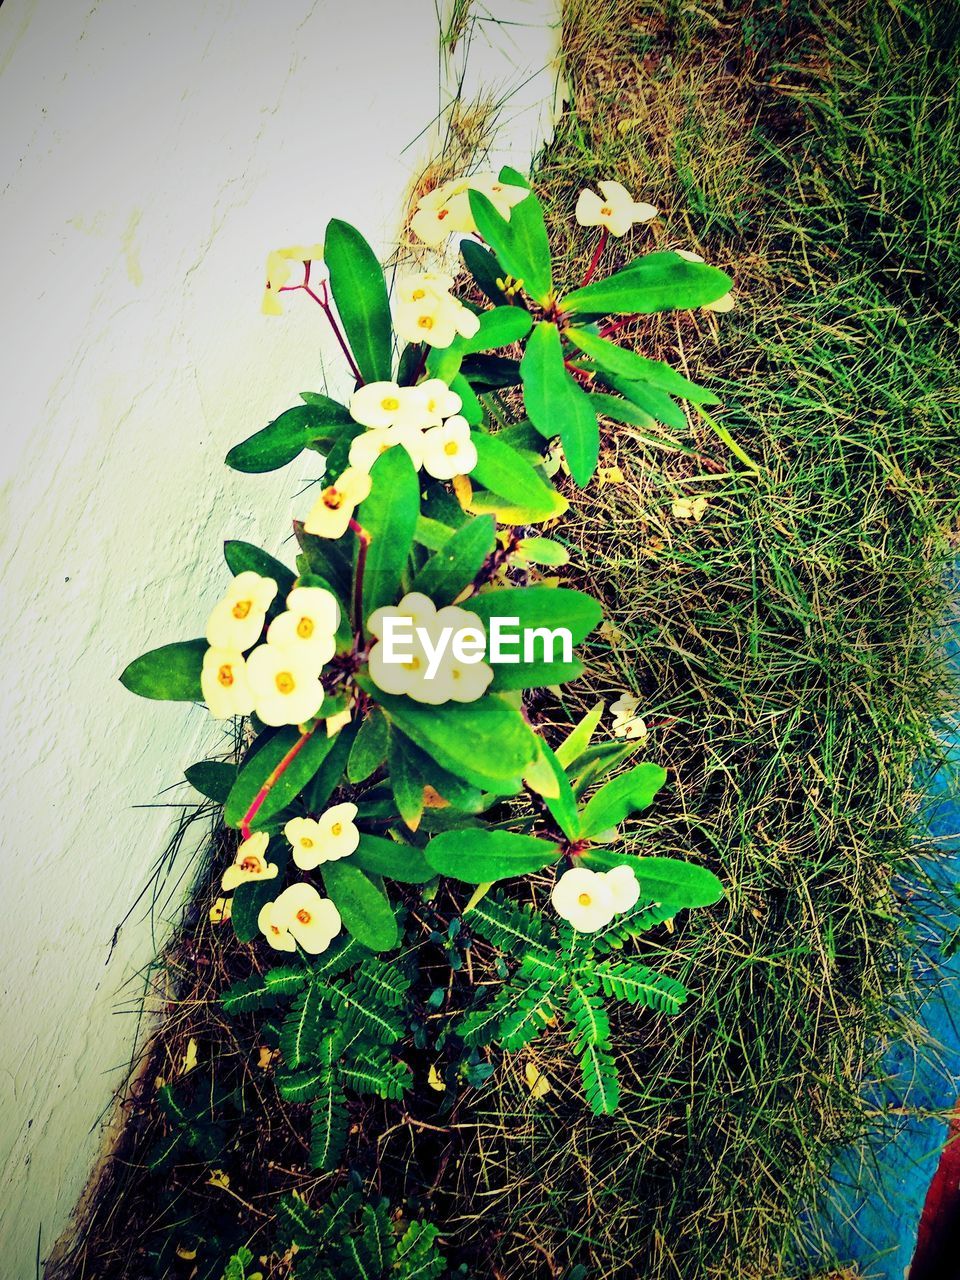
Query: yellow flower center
{"points": [[418, 294], [442, 214], [285, 682], [390, 403], [275, 931], [606, 211], [336, 829], [425, 322], [305, 628], [225, 675], [304, 916], [306, 842], [250, 864], [332, 498], [451, 448], [242, 608], [584, 899], [412, 665]]}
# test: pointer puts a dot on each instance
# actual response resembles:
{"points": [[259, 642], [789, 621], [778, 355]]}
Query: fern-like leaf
{"points": [[624, 928], [263, 990], [622, 980], [527, 1020], [481, 1026], [585, 1011], [601, 1081], [362, 1011], [377, 1235], [303, 1027], [417, 1256], [384, 984], [328, 1127], [373, 1071], [510, 928]]}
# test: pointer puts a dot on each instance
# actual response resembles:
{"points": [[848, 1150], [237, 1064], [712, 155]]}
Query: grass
{"points": [[783, 644], [783, 647]]}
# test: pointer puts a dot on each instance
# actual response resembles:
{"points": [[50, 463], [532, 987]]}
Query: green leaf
{"points": [[601, 1082], [514, 178], [586, 1012], [500, 327], [537, 608], [484, 268], [170, 673], [470, 406], [637, 368], [556, 404], [287, 436], [479, 856], [401, 862], [543, 551], [486, 742], [629, 793], [363, 905], [459, 561], [432, 534], [491, 373], [212, 778], [520, 243], [263, 990], [405, 781], [622, 410], [563, 807], [328, 1117], [389, 516], [330, 773], [357, 284], [670, 881], [650, 402], [625, 980], [578, 739], [307, 752], [502, 470], [661, 281], [369, 749], [242, 557]]}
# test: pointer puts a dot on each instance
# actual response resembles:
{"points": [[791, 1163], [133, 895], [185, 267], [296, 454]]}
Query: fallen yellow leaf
{"points": [[190, 1057], [434, 1081], [536, 1081]]}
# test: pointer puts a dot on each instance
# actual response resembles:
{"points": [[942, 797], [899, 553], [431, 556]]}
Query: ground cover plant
{"points": [[768, 595]]}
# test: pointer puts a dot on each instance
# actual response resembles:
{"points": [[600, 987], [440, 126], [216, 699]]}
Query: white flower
{"points": [[626, 722], [623, 885], [226, 688], [377, 404], [616, 211], [325, 839], [250, 863], [446, 209], [689, 508], [301, 915], [367, 448], [449, 451], [625, 707], [286, 685], [439, 401], [584, 898], [237, 620], [428, 312], [308, 626], [333, 510], [452, 680]]}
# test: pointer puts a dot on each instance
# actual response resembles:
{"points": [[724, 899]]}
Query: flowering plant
{"points": [[368, 775]]}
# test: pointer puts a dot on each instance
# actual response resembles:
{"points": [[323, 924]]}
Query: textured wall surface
{"points": [[151, 155]]}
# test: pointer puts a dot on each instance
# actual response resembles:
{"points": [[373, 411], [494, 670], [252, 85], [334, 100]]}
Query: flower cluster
{"points": [[454, 680], [279, 680], [446, 210], [615, 210], [590, 899], [424, 419], [428, 312]]}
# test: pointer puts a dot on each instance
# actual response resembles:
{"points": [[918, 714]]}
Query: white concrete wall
{"points": [[151, 155]]}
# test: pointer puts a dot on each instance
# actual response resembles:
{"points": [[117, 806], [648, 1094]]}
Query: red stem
{"points": [[358, 581], [324, 303], [272, 780], [595, 260]]}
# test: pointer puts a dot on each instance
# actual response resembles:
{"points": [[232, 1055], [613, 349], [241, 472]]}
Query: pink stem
{"points": [[271, 782], [595, 260]]}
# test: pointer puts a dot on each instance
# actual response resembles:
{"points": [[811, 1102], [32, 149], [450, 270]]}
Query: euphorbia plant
{"points": [[384, 674]]}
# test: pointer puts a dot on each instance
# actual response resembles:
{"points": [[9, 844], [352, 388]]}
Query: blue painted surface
{"points": [[878, 1188]]}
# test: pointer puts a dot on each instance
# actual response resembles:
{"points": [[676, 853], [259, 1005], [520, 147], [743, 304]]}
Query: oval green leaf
{"points": [[170, 673], [363, 905], [477, 856]]}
